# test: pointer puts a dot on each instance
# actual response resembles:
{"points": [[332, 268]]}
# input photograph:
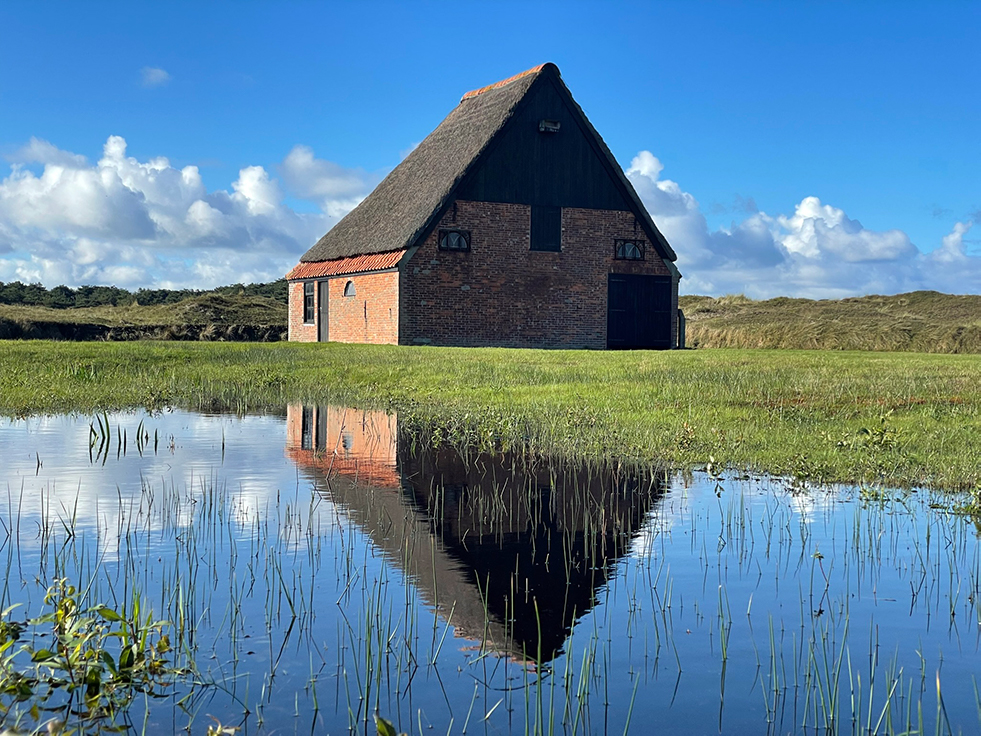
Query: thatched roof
{"points": [[411, 198], [400, 208]]}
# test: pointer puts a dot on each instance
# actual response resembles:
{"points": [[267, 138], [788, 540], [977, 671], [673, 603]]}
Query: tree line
{"points": [[64, 297]]}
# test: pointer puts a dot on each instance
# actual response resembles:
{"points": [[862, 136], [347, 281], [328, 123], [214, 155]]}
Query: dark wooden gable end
{"points": [[568, 167], [524, 165]]}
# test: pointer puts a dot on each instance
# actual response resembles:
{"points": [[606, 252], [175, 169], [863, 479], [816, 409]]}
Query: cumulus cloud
{"points": [[38, 151], [817, 251], [147, 223], [136, 223], [151, 76], [954, 268], [336, 189]]}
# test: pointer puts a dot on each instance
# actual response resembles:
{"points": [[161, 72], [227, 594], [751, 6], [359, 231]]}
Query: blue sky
{"points": [[806, 149]]}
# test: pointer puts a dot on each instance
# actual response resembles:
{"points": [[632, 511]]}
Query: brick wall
{"points": [[372, 315], [298, 331], [503, 293]]}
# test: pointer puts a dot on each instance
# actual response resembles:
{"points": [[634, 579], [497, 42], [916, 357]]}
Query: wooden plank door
{"points": [[323, 312], [638, 312]]}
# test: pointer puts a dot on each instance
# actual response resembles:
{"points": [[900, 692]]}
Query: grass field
{"points": [[921, 321], [884, 418]]}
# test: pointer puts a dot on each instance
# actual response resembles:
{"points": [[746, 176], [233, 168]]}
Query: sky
{"points": [[807, 149]]}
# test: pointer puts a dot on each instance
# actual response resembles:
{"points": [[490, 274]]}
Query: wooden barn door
{"points": [[323, 312], [638, 312]]}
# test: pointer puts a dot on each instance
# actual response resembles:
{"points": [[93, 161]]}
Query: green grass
{"points": [[921, 321], [899, 419]]}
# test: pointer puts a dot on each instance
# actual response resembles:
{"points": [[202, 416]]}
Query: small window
{"points": [[349, 289], [546, 228], [454, 240], [630, 250], [308, 303]]}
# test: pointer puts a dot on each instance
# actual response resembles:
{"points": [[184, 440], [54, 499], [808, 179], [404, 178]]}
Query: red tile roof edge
{"points": [[354, 264], [497, 85]]}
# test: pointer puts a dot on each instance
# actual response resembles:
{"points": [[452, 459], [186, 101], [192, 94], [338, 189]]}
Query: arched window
{"points": [[454, 240], [349, 289], [629, 250]]}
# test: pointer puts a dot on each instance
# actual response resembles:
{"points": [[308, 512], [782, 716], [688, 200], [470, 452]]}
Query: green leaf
{"points": [[385, 727], [41, 655], [108, 614], [126, 659], [106, 657]]}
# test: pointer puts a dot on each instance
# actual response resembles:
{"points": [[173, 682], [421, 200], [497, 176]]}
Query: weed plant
{"points": [[94, 663]]}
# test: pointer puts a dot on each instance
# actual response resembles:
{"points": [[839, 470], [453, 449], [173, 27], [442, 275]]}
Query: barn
{"points": [[510, 225]]}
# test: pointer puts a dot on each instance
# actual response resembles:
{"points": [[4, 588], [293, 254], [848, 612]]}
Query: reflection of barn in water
{"points": [[512, 551]]}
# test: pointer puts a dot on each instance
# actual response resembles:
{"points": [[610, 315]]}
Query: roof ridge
{"points": [[503, 82]]}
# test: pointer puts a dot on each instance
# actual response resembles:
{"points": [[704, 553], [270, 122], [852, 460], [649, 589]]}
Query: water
{"points": [[324, 563]]}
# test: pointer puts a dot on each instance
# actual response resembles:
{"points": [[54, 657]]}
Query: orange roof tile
{"points": [[496, 85], [355, 264]]}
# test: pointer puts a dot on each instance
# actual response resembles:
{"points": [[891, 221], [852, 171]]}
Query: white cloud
{"points": [[144, 223], [151, 76], [817, 252], [404, 153], [147, 223], [953, 269], [38, 151], [336, 189], [815, 229], [256, 191]]}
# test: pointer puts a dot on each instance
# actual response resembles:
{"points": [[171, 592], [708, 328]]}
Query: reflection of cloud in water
{"points": [[691, 496], [51, 480], [812, 503]]}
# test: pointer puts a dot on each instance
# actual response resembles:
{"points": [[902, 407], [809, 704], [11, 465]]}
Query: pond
{"points": [[321, 565]]}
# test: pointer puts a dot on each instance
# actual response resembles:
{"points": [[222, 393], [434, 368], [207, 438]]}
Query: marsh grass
{"points": [[920, 321], [209, 317], [888, 419], [199, 310]]}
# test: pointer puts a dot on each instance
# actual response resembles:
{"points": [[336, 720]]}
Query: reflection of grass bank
{"points": [[902, 419]]}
